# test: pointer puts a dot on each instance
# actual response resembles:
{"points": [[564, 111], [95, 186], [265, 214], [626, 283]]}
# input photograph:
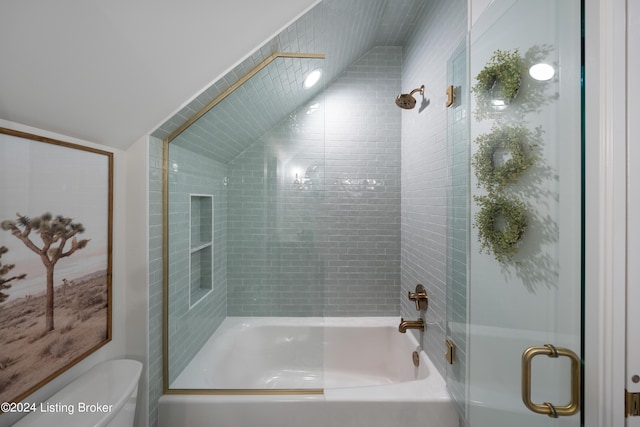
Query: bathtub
{"points": [[344, 372]]}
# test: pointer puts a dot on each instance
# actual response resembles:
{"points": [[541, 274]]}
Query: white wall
{"points": [[116, 348], [136, 197]]}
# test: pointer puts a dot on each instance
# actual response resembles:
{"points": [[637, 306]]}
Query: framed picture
{"points": [[56, 214]]}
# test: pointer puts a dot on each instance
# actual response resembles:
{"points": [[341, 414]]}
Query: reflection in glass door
{"points": [[525, 267], [245, 189]]}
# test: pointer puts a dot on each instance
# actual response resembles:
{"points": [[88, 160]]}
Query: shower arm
{"points": [[420, 89]]}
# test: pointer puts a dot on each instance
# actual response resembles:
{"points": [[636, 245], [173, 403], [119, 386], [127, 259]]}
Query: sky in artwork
{"points": [[37, 177]]}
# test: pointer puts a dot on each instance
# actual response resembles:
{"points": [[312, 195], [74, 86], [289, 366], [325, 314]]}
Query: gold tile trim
{"points": [[237, 84]]}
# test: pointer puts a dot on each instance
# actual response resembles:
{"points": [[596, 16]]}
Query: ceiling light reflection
{"points": [[542, 72], [312, 78]]}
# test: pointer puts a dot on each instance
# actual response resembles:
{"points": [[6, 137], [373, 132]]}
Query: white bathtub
{"points": [[362, 368]]}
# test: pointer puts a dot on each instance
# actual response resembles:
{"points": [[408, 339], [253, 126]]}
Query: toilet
{"points": [[104, 396]]}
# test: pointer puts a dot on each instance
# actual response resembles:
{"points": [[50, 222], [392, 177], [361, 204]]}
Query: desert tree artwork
{"points": [[55, 233], [56, 239], [4, 271]]}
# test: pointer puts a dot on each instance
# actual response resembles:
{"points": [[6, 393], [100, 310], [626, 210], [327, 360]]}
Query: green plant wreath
{"points": [[499, 79], [501, 223], [514, 141]]}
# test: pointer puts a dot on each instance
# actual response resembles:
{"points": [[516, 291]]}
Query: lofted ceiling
{"points": [[112, 71], [342, 30]]}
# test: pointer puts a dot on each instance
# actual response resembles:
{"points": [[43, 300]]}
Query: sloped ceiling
{"points": [[343, 30], [112, 71]]}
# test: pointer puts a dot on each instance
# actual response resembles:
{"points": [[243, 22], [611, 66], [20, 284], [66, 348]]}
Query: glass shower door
{"points": [[525, 265], [245, 223]]}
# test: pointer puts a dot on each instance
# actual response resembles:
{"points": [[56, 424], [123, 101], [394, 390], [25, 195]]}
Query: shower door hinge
{"points": [[632, 404], [450, 356], [451, 96]]}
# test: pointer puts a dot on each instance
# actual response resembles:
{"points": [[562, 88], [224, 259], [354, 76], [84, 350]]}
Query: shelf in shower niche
{"points": [[201, 247]]}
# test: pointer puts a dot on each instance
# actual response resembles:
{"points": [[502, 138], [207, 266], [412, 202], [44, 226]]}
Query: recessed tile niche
{"points": [[201, 247]]}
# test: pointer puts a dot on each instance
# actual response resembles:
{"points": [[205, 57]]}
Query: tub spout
{"points": [[410, 324]]}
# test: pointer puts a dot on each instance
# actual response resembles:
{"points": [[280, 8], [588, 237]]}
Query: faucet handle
{"points": [[420, 297]]}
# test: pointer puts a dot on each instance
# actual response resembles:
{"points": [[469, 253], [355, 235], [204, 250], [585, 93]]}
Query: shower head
{"points": [[407, 101]]}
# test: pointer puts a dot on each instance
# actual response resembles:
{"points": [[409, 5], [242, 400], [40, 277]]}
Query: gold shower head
{"points": [[407, 101]]}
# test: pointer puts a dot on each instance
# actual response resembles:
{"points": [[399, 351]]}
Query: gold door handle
{"points": [[547, 408]]}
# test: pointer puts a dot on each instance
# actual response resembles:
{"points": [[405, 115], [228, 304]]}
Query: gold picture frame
{"points": [[56, 237]]}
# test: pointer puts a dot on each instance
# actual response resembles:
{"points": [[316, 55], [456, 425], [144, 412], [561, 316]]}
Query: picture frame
{"points": [[56, 240]]}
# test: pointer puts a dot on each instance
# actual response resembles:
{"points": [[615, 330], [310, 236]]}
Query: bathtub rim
{"points": [[245, 391]]}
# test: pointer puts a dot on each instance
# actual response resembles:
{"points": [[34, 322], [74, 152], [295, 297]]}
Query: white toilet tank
{"points": [[104, 396]]}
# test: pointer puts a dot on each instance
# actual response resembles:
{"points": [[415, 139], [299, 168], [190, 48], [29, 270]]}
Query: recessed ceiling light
{"points": [[312, 78]]}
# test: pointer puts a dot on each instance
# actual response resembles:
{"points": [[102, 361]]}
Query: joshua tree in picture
{"points": [[54, 233], [4, 270]]}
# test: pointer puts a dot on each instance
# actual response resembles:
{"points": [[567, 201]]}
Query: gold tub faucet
{"points": [[410, 324]]}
